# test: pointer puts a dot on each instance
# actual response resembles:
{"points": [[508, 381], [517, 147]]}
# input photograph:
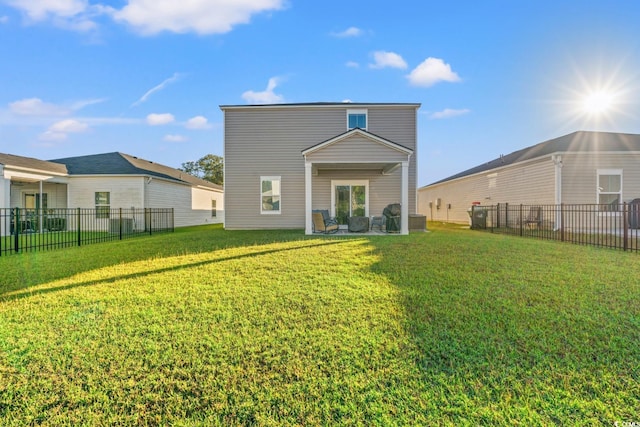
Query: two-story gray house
{"points": [[283, 161]]}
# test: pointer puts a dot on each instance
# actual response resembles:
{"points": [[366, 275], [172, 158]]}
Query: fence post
{"points": [[498, 215], [521, 229], [120, 222], [506, 215], [625, 226], [78, 226], [473, 213], [16, 230], [562, 222], [172, 221], [147, 218]]}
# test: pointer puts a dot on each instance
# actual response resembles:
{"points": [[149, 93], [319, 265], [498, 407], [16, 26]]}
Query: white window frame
{"points": [[214, 208], [102, 213], [358, 111], [271, 212], [600, 172]]}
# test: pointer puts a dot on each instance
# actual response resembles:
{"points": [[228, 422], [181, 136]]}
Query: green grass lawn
{"points": [[211, 327]]}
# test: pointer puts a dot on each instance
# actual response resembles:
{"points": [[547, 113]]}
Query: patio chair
{"points": [[534, 217], [323, 223]]}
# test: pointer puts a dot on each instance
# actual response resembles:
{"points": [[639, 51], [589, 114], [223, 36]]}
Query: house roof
{"points": [[124, 164], [323, 104], [32, 164], [580, 141]]}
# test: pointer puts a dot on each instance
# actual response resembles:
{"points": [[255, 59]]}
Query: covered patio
{"points": [[356, 174]]}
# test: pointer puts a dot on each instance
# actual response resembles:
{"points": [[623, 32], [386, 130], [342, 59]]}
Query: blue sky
{"points": [[146, 77]]}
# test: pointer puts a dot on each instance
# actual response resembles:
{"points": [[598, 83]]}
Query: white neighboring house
{"points": [[113, 180]]}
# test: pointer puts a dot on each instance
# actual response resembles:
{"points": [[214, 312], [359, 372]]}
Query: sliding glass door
{"points": [[349, 198]]}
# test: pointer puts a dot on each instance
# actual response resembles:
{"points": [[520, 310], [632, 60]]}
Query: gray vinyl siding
{"points": [[527, 183], [269, 142], [579, 175], [531, 183]]}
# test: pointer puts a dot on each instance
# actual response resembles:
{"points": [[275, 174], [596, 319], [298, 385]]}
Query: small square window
{"points": [[356, 119]]}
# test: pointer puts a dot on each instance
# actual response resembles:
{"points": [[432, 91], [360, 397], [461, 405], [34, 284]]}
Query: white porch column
{"points": [[557, 161], [404, 213], [308, 224]]}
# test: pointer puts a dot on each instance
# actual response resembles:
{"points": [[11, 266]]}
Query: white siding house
{"points": [[113, 180]]}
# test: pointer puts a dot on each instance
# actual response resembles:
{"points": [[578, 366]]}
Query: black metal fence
{"points": [[614, 226], [24, 230]]}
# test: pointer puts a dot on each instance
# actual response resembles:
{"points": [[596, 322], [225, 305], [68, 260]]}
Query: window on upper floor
{"points": [[357, 119], [609, 189]]}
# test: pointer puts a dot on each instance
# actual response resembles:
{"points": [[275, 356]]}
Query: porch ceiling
{"points": [[376, 166]]}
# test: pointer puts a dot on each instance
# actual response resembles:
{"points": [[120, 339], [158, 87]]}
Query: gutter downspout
{"points": [[557, 161]]}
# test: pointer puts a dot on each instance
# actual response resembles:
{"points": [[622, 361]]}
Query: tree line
{"points": [[210, 168]]}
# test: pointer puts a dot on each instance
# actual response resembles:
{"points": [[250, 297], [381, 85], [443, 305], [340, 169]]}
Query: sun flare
{"points": [[598, 102]]}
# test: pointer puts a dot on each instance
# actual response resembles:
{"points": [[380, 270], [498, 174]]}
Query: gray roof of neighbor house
{"points": [[580, 141], [123, 164], [32, 164]]}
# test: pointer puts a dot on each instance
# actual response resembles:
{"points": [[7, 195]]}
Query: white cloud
{"points": [[52, 136], [387, 60], [69, 126], [349, 32], [448, 113], [75, 15], [432, 71], [352, 64], [198, 122], [79, 105], [155, 89], [39, 10], [4, 19], [59, 131], [160, 119], [175, 138], [265, 97], [37, 107], [198, 16]]}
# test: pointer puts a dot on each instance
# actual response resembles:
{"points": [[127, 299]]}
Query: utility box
{"points": [[127, 225], [417, 222]]}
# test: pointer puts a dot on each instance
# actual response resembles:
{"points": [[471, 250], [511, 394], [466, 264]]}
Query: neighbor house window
{"points": [[213, 208], [103, 204], [609, 189], [356, 119], [270, 194]]}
